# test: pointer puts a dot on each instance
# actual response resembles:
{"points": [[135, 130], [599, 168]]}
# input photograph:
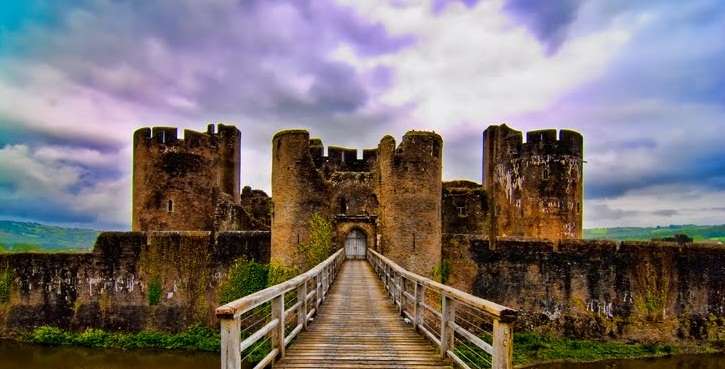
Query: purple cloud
{"points": [[548, 20]]}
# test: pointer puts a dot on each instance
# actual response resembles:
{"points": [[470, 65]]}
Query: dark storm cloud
{"points": [[548, 20]]}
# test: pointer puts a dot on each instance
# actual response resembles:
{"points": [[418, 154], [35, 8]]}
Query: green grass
{"points": [[696, 232], [531, 347], [34, 237], [195, 338]]}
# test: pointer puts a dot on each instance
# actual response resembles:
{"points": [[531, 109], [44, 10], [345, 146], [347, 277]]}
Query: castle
{"points": [[391, 198], [514, 238]]}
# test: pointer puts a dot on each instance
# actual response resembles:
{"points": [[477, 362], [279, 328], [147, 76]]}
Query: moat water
{"points": [[705, 361], [14, 355]]}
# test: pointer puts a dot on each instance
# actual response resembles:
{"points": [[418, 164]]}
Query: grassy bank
{"points": [[195, 338], [530, 348]]}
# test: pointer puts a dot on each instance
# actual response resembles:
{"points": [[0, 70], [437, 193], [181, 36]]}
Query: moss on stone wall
{"points": [[6, 279]]}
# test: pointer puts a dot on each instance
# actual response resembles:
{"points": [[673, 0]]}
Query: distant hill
{"points": [[696, 232], [29, 237]]}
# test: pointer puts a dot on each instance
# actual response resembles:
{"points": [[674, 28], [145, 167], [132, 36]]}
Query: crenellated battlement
{"points": [[186, 183], [510, 143], [168, 136]]}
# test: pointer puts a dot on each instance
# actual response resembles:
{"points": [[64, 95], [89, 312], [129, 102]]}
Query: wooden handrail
{"points": [[503, 318], [230, 314]]}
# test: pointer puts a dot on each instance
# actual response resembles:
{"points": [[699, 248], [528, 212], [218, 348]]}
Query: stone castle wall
{"points": [[108, 287], [598, 289]]}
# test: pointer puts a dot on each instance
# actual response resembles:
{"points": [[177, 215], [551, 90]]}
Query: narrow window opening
{"points": [[170, 206], [163, 136], [343, 206], [413, 241], [578, 207], [545, 174]]}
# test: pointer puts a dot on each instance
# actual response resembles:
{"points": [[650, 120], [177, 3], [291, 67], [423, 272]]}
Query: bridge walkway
{"points": [[358, 326]]}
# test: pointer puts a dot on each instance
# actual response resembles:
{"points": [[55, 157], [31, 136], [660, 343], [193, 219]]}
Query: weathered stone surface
{"points": [[634, 290], [108, 288], [188, 184], [534, 188]]}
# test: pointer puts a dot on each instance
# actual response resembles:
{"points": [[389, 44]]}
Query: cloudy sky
{"points": [[644, 81]]}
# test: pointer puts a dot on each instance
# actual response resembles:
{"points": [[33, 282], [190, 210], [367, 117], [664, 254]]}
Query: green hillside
{"points": [[696, 232], [29, 237]]}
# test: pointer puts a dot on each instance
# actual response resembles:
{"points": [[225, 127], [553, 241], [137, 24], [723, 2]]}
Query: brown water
{"points": [[714, 361], [15, 355]]}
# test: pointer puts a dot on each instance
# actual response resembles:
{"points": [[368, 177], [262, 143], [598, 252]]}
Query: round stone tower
{"points": [[298, 191], [410, 187], [535, 188]]}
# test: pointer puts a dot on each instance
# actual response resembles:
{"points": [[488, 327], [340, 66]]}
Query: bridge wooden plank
{"points": [[359, 327]]}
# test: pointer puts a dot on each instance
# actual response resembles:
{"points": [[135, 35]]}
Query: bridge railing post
{"points": [[401, 295], [277, 334], [318, 294], [418, 293], [502, 345], [230, 342], [448, 315], [302, 310]]}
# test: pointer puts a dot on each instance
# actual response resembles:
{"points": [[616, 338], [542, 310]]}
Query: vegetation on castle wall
{"points": [[319, 246], [6, 279], [154, 291], [195, 338], [442, 271]]}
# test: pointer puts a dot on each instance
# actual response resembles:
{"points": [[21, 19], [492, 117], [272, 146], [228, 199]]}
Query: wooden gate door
{"points": [[355, 245]]}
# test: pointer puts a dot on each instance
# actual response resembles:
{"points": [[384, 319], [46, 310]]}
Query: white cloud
{"points": [[43, 178], [476, 65]]}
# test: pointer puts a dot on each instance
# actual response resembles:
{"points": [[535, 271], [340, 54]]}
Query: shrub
{"points": [[47, 335], [319, 246], [93, 338], [243, 278], [279, 273]]}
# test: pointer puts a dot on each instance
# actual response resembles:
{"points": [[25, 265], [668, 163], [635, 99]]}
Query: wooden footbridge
{"points": [[375, 315]]}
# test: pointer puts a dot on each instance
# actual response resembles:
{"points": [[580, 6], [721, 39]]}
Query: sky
{"points": [[643, 81]]}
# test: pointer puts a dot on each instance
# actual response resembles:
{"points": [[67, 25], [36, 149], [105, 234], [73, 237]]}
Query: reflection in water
{"points": [[15, 355], [715, 361]]}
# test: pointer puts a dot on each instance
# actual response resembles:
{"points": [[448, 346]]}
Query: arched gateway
{"points": [[355, 244]]}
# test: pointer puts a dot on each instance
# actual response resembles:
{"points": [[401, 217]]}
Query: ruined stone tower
{"points": [[186, 184], [410, 187], [534, 188]]}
